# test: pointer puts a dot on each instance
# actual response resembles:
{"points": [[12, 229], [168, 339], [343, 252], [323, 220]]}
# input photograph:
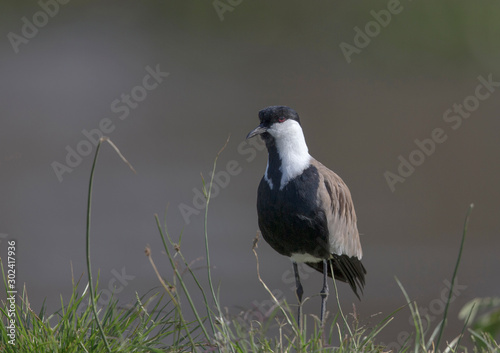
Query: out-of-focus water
{"points": [[104, 66]]}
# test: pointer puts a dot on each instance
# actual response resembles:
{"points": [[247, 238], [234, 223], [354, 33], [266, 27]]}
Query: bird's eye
{"points": [[281, 119]]}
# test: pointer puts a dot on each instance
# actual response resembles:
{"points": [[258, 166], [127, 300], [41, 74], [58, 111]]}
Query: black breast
{"points": [[291, 220]]}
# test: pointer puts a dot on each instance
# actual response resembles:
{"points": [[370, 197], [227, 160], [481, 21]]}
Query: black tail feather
{"points": [[346, 269]]}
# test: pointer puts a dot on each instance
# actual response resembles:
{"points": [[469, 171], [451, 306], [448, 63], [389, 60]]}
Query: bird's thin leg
{"points": [[324, 292], [299, 292]]}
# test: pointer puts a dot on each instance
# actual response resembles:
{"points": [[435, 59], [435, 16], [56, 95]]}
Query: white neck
{"points": [[292, 149]]}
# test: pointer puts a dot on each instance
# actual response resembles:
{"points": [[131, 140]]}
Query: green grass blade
{"points": [[184, 288], [414, 314], [379, 327], [465, 325], [464, 233], [207, 251], [87, 247], [338, 302], [483, 341]]}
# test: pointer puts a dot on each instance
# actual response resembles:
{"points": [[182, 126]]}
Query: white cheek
{"points": [[292, 149]]}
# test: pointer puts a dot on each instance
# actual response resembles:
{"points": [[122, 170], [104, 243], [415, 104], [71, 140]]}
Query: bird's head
{"points": [[281, 131], [277, 123]]}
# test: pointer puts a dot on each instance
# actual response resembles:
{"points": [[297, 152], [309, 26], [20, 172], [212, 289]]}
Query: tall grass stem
{"points": [[464, 233]]}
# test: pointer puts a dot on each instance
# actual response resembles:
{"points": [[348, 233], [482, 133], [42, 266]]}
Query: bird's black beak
{"points": [[257, 131]]}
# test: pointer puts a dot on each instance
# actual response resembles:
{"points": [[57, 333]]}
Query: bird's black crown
{"points": [[277, 114]]}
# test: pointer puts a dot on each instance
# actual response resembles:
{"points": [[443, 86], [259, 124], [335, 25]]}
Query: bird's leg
{"points": [[299, 292], [324, 292]]}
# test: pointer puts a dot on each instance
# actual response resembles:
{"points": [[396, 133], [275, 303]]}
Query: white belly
{"points": [[305, 258]]}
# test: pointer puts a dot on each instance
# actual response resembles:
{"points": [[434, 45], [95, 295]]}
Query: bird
{"points": [[305, 210]]}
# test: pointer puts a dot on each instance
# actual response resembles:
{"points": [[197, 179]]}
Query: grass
{"points": [[156, 321]]}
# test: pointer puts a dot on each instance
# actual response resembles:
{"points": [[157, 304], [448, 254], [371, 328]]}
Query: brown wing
{"points": [[341, 217], [344, 243]]}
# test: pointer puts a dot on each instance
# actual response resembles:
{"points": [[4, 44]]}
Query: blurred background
{"points": [[367, 80]]}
